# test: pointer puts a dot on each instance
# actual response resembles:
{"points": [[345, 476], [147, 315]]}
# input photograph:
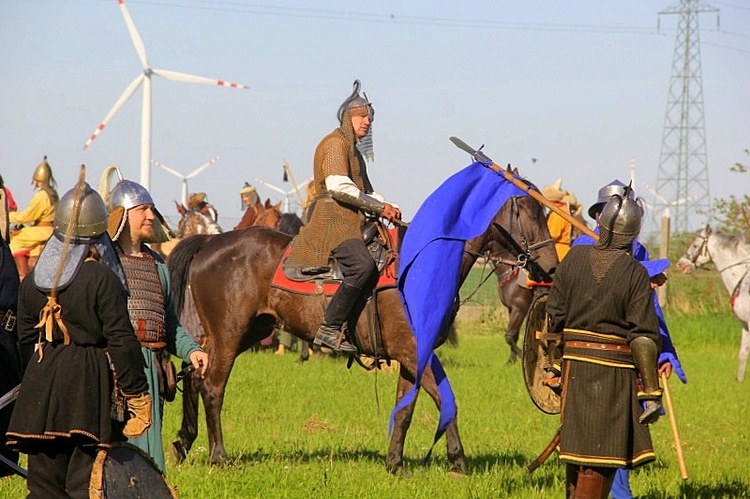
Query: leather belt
{"points": [[44, 224], [7, 320], [593, 345]]}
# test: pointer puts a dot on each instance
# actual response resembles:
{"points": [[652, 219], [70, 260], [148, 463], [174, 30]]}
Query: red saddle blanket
{"points": [[387, 279]]}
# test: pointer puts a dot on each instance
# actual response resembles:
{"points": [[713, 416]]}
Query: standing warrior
{"points": [[63, 413], [37, 219], [602, 303], [250, 200], [133, 222], [343, 195]]}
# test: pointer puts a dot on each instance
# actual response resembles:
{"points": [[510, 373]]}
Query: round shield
{"points": [[124, 471], [535, 362]]}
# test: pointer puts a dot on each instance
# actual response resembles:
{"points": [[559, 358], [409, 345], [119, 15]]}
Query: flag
{"points": [[430, 264]]}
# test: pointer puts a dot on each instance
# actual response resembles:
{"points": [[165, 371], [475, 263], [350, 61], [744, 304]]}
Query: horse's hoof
{"points": [[398, 471], [220, 460], [177, 452], [460, 468]]}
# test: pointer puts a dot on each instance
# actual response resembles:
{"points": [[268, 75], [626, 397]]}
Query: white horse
{"points": [[731, 255]]}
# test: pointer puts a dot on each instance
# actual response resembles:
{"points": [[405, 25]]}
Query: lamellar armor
{"points": [[146, 302]]}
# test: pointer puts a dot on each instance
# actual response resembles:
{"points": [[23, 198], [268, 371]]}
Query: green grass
{"points": [[319, 430]]}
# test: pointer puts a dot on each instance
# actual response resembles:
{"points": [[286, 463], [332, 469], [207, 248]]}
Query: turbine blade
{"points": [[270, 186], [126, 94], [656, 194], [164, 167], [184, 77], [140, 48], [201, 168]]}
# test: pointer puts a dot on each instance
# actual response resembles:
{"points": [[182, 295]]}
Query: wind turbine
{"points": [[185, 178], [667, 204], [145, 79], [289, 193]]}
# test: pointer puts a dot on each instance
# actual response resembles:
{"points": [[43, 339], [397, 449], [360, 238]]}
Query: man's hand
{"points": [[391, 212], [666, 369], [199, 359]]}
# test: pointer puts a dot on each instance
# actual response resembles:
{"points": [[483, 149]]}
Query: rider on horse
{"points": [[197, 202], [250, 200], [343, 195], [37, 219]]}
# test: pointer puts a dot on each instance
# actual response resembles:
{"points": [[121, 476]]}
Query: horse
{"points": [[245, 308], [192, 222], [731, 256], [513, 290]]}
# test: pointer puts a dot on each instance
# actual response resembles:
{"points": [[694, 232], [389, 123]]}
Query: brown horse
{"points": [[513, 290], [245, 308]]}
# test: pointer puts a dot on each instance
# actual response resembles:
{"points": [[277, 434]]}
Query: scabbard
{"points": [[545, 453]]}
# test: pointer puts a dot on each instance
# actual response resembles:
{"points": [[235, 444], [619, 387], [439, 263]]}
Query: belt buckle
{"points": [[9, 321]]}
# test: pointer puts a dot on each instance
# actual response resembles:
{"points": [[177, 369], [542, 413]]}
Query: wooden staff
{"points": [[481, 157], [673, 424]]}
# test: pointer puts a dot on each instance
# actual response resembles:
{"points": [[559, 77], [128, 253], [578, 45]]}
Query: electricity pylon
{"points": [[683, 165]]}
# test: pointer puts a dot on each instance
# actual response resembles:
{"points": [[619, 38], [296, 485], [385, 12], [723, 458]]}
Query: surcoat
{"points": [[332, 222], [146, 302], [41, 212]]}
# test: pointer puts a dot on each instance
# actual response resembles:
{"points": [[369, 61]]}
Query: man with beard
{"points": [[133, 222]]}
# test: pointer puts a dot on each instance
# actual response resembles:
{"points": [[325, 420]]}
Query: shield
{"points": [[124, 471], [537, 372]]}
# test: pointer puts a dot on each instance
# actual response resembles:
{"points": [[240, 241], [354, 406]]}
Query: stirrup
{"points": [[334, 339]]}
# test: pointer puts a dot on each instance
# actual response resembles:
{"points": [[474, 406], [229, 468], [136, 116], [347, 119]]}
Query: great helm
{"points": [[91, 220], [43, 173], [622, 215], [605, 193], [128, 194]]}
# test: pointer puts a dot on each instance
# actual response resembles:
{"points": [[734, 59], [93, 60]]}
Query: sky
{"points": [[579, 86]]}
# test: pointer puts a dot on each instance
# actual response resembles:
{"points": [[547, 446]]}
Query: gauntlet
{"points": [[645, 354], [139, 412]]}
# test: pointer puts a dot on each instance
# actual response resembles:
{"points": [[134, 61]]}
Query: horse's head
{"points": [[697, 253], [269, 216], [195, 222], [519, 232]]}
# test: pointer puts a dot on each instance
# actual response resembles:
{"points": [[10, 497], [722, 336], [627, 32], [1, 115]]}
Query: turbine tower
{"points": [[144, 78], [683, 165]]}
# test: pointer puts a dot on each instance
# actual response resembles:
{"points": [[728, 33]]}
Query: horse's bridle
{"points": [[523, 251]]}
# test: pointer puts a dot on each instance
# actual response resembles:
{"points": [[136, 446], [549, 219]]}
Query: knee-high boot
{"points": [[331, 331]]}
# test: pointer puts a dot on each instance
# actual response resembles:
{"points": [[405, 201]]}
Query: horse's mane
{"points": [[733, 242], [290, 224]]}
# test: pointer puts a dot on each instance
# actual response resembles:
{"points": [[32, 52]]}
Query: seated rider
{"points": [[343, 194], [197, 202], [560, 229], [250, 200], [37, 219]]}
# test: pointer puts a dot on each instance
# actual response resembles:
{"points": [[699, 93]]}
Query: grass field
{"points": [[319, 430]]}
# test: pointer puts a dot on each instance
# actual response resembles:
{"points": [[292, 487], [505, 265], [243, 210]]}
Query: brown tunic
{"points": [[600, 406]]}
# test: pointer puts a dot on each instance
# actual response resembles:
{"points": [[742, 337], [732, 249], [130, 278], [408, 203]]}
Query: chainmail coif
{"points": [[607, 250]]}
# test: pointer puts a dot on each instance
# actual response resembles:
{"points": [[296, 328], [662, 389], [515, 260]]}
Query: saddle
{"points": [[326, 280]]}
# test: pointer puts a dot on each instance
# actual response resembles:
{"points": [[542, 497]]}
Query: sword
{"points": [[483, 158], [10, 396], [4, 461]]}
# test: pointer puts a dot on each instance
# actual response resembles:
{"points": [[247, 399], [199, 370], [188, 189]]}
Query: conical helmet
{"points": [[356, 101], [128, 194], [43, 173], [92, 214], [622, 215]]}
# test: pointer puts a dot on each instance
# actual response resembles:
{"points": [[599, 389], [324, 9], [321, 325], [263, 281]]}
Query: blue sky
{"points": [[580, 85]]}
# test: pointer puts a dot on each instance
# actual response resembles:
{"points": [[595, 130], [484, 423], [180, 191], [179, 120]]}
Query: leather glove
{"points": [[139, 412]]}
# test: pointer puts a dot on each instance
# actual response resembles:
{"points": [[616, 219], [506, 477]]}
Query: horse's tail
{"points": [[179, 267]]}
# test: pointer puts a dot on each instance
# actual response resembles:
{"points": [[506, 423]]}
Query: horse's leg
{"points": [[744, 351], [189, 430], [304, 354], [212, 390], [394, 461], [453, 441]]}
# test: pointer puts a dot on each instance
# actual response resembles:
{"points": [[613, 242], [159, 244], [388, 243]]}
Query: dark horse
{"points": [[513, 291], [245, 308]]}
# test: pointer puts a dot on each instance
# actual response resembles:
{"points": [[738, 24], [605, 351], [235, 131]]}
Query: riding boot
{"points": [[22, 263], [646, 353], [331, 332], [588, 483]]}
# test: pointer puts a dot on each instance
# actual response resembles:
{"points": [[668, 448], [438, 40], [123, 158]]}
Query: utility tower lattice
{"points": [[683, 165]]}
